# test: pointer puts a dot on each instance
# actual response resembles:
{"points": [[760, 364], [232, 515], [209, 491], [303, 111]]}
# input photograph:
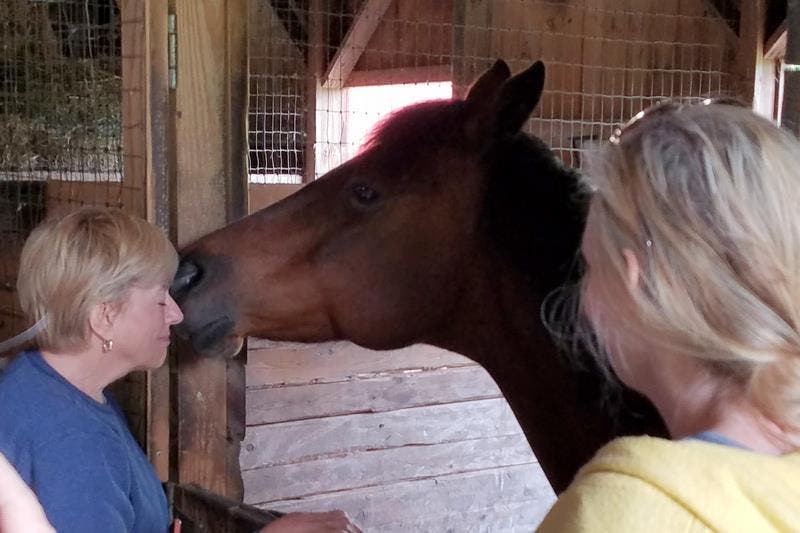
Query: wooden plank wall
{"points": [[410, 440], [421, 439]]}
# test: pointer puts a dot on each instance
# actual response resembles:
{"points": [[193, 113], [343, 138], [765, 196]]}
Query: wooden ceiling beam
{"points": [[365, 23], [775, 46], [729, 11]]}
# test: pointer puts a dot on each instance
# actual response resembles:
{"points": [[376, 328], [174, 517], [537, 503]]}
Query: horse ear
{"points": [[482, 100], [485, 89], [517, 99]]}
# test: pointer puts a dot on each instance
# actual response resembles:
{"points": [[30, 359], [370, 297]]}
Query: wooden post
{"points": [[211, 183], [756, 84], [364, 24], [134, 106], [145, 114], [790, 116], [315, 60]]}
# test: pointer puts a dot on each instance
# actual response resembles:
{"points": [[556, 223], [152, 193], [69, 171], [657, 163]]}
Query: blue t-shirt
{"points": [[77, 455]]}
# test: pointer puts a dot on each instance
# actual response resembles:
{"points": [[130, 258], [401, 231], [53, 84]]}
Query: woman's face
{"points": [[592, 300], [141, 328], [626, 355]]}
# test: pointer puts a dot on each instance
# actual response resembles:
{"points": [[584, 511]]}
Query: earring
{"points": [[108, 344]]}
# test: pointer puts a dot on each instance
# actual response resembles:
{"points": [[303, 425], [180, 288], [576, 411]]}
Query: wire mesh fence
{"points": [[60, 121], [61, 133], [605, 61]]}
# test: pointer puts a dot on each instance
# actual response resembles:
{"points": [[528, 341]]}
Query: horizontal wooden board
{"points": [[263, 195], [271, 363], [502, 517], [371, 395], [513, 498], [371, 468], [291, 442]]}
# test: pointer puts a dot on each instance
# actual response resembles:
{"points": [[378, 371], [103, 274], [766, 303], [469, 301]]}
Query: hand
{"points": [[333, 522], [20, 511]]}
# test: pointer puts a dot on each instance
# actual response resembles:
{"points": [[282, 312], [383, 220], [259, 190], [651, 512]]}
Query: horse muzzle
{"points": [[209, 318]]}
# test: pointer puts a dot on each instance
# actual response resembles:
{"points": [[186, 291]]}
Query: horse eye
{"points": [[364, 194]]}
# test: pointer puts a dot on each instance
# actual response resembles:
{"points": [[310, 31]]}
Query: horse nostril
{"points": [[187, 276]]}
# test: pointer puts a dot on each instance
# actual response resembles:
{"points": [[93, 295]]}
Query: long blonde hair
{"points": [[708, 199]]}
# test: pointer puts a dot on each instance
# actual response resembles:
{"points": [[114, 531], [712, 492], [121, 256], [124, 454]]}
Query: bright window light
{"points": [[340, 134], [366, 106]]}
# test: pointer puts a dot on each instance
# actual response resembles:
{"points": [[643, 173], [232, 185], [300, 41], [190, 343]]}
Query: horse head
{"points": [[450, 227], [382, 249]]}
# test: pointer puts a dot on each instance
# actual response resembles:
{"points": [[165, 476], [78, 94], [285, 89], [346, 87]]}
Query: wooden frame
{"points": [[145, 113], [364, 25], [790, 115], [397, 76], [209, 131]]}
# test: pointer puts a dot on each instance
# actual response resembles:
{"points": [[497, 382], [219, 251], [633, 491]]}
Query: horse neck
{"points": [[499, 328]]}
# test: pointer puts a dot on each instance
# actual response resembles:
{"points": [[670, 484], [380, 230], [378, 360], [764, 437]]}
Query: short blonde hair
{"points": [[89, 256], [708, 198]]}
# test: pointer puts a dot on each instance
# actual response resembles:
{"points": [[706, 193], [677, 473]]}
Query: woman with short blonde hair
{"points": [[88, 256], [692, 296], [96, 282]]}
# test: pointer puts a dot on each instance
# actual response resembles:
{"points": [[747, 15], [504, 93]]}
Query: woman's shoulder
{"points": [[24, 395], [648, 457], [682, 485], [614, 501], [37, 408]]}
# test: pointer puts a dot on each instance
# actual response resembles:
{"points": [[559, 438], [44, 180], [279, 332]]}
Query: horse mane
{"points": [[534, 209]]}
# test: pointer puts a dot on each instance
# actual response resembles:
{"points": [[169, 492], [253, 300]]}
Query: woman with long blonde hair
{"points": [[692, 296]]}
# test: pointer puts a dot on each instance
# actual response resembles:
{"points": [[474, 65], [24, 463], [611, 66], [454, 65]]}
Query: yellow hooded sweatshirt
{"points": [[646, 484]]}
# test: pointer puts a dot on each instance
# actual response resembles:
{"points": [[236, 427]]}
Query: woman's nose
{"points": [[174, 314]]}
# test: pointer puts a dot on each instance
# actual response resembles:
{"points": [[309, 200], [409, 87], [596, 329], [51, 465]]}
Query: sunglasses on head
{"points": [[666, 107]]}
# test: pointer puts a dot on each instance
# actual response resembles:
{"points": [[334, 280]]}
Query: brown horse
{"points": [[449, 228]]}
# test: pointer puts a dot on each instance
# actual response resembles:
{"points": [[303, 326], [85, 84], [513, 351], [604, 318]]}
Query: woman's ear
{"points": [[101, 320], [632, 268]]}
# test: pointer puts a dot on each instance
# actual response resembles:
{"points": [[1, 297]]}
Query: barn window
{"points": [[361, 109]]}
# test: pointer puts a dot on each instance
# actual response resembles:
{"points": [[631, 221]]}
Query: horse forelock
{"points": [[425, 124]]}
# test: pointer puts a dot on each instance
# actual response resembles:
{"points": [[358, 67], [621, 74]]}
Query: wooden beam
{"points": [[200, 510], [431, 73], [775, 46], [145, 113], [364, 25], [756, 74], [134, 103], [315, 59], [729, 11], [210, 176], [790, 116]]}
